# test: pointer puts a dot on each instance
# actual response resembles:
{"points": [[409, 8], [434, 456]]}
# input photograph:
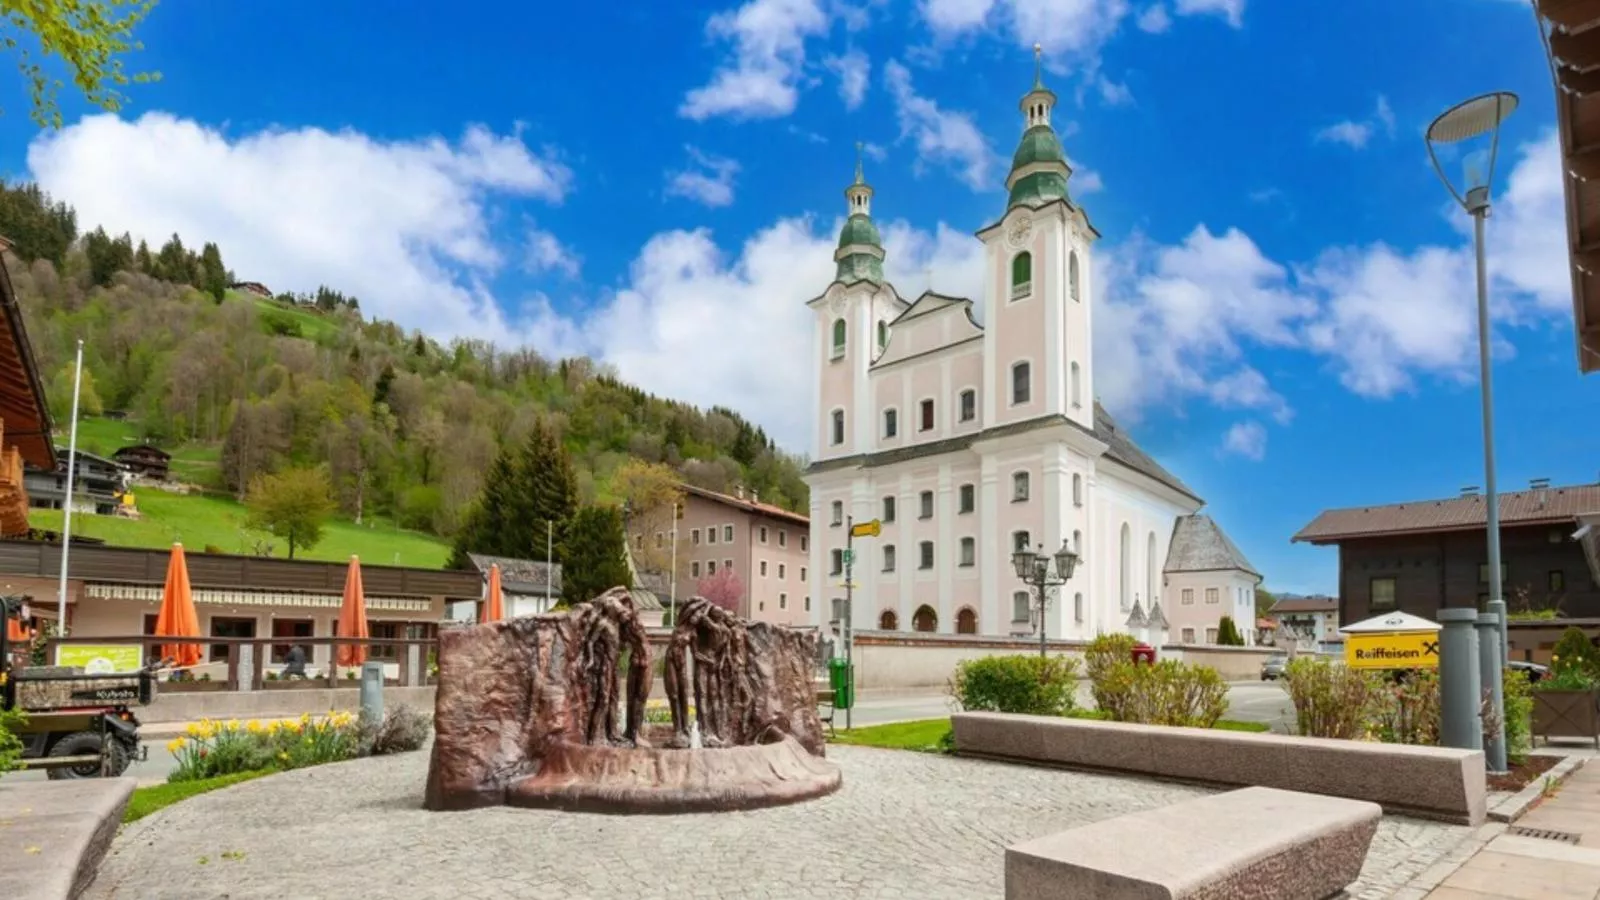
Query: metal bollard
{"points": [[372, 691], [1489, 675], [1460, 693]]}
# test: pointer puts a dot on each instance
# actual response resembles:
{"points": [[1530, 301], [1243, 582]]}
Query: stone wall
{"points": [[282, 704]]}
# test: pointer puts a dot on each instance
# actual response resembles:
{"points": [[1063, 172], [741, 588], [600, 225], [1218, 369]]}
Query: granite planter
{"points": [[1567, 714]]}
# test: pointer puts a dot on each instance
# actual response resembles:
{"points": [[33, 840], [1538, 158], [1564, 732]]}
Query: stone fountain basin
{"points": [[587, 778]]}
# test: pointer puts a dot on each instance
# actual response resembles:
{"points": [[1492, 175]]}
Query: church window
{"points": [[1077, 490], [1021, 383], [1019, 541], [888, 621], [838, 427], [1077, 607], [1188, 596], [838, 512], [926, 500], [891, 423], [883, 334], [1019, 487], [926, 548], [888, 509], [1021, 275], [968, 498], [838, 338], [1125, 571], [1020, 606], [927, 415], [1150, 568], [1211, 595], [836, 561], [1072, 274], [969, 405], [969, 551], [888, 558], [1077, 388], [1077, 544]]}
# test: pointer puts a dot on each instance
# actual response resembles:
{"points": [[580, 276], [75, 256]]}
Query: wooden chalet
{"points": [[1571, 33], [145, 460], [24, 414]]}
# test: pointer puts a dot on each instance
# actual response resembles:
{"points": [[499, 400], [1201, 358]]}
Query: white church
{"points": [[967, 441]]}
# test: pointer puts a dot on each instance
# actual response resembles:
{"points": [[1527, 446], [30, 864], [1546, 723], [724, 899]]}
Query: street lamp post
{"points": [[1034, 569], [1478, 121]]}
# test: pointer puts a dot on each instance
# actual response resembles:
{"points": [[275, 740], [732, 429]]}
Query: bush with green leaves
{"points": [[1330, 700], [1518, 698], [11, 722], [1023, 683], [1405, 710], [1165, 693], [1574, 662], [1102, 654]]}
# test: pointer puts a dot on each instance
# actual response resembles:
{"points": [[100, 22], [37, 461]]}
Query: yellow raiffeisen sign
{"points": [[1392, 650]]}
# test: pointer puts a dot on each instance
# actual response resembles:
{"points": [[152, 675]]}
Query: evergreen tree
{"points": [[143, 260], [1228, 633], [593, 554], [549, 482], [213, 274], [487, 528], [172, 262]]}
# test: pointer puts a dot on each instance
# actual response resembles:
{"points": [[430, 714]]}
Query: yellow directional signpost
{"points": [[1393, 641], [867, 529], [857, 529]]}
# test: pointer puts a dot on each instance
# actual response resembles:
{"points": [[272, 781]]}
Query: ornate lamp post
{"points": [[1476, 123], [1034, 569]]}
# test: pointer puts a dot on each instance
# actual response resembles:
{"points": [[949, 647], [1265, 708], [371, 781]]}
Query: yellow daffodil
{"points": [[283, 755], [176, 744], [193, 729], [233, 724], [253, 726]]}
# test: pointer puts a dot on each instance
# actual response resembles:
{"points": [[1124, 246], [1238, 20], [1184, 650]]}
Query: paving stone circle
{"points": [[905, 825]]}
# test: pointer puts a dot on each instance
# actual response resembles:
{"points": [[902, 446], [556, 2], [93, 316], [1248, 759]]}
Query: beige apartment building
{"points": [[765, 545]]}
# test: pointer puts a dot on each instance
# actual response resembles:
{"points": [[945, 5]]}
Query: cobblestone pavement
{"points": [[905, 825]]}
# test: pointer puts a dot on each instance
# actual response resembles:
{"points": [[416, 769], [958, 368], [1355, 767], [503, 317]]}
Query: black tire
{"points": [[82, 743]]}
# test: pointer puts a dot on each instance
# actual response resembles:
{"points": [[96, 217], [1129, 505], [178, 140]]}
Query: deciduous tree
{"points": [[89, 36], [293, 504], [722, 587], [652, 492]]}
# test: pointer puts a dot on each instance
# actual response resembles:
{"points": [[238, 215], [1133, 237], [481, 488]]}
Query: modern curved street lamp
{"points": [[1034, 570], [1474, 125]]}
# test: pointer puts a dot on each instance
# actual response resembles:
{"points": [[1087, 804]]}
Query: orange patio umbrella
{"points": [[353, 617], [494, 608], [177, 617]]}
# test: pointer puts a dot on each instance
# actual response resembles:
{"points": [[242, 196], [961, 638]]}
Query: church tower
{"points": [[1037, 294], [852, 328]]}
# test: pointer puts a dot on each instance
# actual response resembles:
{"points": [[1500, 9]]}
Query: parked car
{"points": [[1534, 671], [1273, 668]]}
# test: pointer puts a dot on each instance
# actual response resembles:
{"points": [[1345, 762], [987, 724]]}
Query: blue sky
{"points": [[1285, 308]]}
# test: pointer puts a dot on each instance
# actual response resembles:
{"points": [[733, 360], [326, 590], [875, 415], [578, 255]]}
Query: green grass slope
{"points": [[198, 521]]}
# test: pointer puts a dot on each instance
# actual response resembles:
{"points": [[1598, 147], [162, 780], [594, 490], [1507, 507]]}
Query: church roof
{"points": [[859, 229], [1120, 447], [1039, 145], [1200, 545]]}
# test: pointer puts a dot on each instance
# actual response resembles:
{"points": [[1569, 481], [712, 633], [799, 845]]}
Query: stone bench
{"points": [[1433, 782], [1252, 843], [71, 823]]}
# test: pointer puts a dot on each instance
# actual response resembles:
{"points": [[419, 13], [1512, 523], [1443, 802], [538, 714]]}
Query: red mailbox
{"points": [[1144, 653]]}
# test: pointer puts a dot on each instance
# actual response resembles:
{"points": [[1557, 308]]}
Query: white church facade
{"points": [[968, 441]]}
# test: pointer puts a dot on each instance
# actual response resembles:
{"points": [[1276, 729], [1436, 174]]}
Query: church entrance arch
{"points": [[925, 619]]}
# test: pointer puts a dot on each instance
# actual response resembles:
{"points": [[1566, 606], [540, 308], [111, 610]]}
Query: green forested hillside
{"points": [[236, 385]]}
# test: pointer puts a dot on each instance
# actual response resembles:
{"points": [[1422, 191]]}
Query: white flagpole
{"points": [[66, 526]]}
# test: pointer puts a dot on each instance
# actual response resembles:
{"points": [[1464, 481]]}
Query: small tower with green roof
{"points": [[860, 253], [1038, 351]]}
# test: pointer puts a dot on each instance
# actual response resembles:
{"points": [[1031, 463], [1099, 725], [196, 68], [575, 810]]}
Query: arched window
{"points": [[1021, 275], [888, 621], [1072, 274], [1077, 607], [1150, 568], [1020, 540], [891, 422], [838, 338], [1021, 383], [1077, 490], [925, 619], [1077, 387], [1125, 573], [1019, 487], [883, 334], [1021, 607], [837, 436], [966, 621]]}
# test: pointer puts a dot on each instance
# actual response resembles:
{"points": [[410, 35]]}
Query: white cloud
{"points": [[1085, 182], [546, 253], [403, 225], [1385, 115], [1351, 134], [941, 136], [1113, 93], [1068, 29], [760, 81], [1155, 20], [1232, 10], [708, 180], [853, 69], [1246, 439]]}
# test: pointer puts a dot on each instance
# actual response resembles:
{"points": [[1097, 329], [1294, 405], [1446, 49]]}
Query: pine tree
{"points": [[1228, 633], [143, 260], [549, 484], [593, 554], [213, 274]]}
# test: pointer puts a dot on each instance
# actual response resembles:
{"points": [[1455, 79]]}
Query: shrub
{"points": [[1036, 685], [1102, 654], [1518, 694], [11, 722], [1406, 711], [1166, 693], [1228, 633], [1574, 659], [402, 729], [210, 748], [1329, 700]]}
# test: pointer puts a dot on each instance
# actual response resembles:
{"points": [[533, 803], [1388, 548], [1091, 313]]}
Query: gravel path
{"points": [[905, 825]]}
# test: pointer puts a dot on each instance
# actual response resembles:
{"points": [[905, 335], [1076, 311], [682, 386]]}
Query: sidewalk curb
{"points": [[1512, 808]]}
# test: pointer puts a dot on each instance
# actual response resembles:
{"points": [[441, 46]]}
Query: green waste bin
{"points": [[842, 678]]}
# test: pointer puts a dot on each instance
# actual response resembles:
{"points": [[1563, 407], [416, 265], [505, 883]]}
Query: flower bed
{"points": [[212, 748]]}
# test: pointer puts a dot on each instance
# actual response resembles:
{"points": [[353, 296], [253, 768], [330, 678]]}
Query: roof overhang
{"points": [[1572, 40], [1322, 540]]}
